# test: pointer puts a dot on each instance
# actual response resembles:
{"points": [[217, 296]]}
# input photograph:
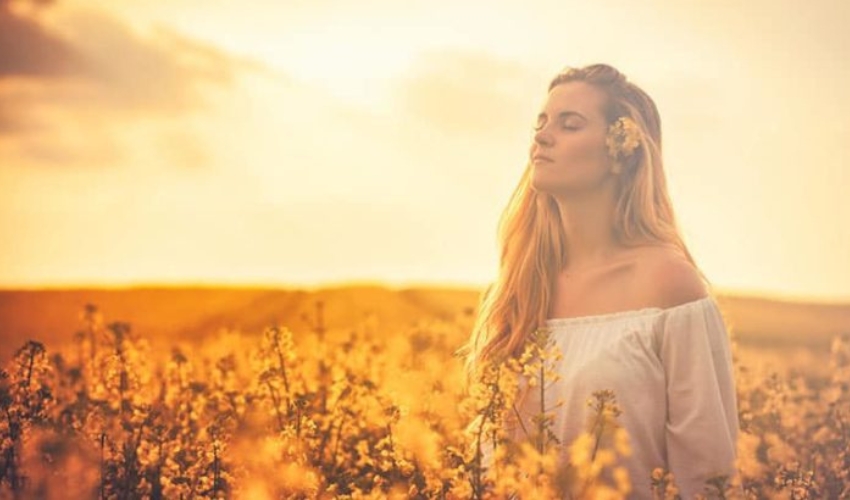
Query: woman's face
{"points": [[568, 152]]}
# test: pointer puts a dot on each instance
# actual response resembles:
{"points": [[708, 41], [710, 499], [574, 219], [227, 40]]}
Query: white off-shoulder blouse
{"points": [[671, 373]]}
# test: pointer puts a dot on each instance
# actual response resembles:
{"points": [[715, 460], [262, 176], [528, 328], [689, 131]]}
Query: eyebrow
{"points": [[564, 114]]}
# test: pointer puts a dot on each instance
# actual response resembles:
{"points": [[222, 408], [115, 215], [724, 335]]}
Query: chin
{"points": [[540, 185], [548, 181], [536, 182]]}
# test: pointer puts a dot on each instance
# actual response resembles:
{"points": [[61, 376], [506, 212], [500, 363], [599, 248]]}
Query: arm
{"points": [[702, 418]]}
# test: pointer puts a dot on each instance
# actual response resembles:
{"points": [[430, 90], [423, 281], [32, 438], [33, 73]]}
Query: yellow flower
{"points": [[580, 449], [621, 441], [623, 138], [622, 479], [657, 473]]}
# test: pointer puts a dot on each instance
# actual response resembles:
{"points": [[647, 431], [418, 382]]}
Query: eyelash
{"points": [[537, 128]]}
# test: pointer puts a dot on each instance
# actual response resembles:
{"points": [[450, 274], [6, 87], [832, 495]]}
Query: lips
{"points": [[539, 157]]}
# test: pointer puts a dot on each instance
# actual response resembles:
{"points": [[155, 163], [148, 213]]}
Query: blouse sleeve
{"points": [[702, 416]]}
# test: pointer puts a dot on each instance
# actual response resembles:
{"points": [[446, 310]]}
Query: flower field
{"points": [[361, 412]]}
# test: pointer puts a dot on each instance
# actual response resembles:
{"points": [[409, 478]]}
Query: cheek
{"points": [[582, 150]]}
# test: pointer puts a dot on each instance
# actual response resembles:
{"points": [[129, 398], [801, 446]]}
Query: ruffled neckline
{"points": [[620, 315]]}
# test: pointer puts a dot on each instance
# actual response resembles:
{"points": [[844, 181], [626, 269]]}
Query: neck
{"points": [[588, 223]]}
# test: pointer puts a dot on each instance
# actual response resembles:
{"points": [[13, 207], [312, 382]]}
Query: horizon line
{"points": [[389, 284]]}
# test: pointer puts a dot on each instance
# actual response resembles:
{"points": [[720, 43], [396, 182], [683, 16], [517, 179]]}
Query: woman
{"points": [[590, 249]]}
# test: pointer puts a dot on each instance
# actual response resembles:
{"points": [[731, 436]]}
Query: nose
{"points": [[542, 138]]}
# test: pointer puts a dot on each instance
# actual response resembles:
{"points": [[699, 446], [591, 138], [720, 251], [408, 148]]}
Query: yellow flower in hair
{"points": [[623, 138]]}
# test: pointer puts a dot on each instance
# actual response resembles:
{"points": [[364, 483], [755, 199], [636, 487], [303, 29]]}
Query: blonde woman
{"points": [[590, 249]]}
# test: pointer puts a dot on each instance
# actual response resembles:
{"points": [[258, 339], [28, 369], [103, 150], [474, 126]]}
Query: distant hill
{"points": [[52, 316], [763, 321]]}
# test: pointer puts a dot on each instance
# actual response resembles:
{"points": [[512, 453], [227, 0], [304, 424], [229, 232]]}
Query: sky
{"points": [[304, 143]]}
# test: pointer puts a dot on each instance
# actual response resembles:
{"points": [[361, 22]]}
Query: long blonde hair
{"points": [[531, 236]]}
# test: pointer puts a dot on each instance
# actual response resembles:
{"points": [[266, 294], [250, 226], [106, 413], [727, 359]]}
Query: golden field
{"points": [[357, 392]]}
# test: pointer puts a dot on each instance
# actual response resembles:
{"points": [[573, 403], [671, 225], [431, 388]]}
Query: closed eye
{"points": [[563, 116]]}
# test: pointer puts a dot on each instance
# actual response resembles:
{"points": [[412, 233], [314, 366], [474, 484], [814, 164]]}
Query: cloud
{"points": [[144, 75], [29, 49], [91, 72], [469, 93]]}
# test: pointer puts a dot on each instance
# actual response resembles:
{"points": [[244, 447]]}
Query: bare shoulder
{"points": [[667, 278]]}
